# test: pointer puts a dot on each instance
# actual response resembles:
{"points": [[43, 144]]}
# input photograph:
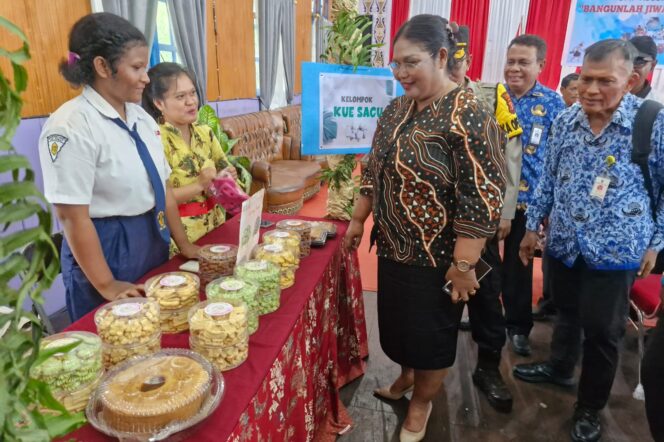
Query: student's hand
{"points": [[504, 229], [206, 176], [527, 247], [464, 284], [190, 251], [121, 290], [353, 235], [230, 170], [647, 263]]}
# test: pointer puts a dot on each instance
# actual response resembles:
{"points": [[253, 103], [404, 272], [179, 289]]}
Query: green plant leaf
{"points": [[11, 27], [18, 212], [16, 191], [12, 162], [61, 425], [18, 240], [20, 78]]}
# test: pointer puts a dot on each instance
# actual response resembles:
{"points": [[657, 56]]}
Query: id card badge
{"points": [[600, 187], [536, 136]]}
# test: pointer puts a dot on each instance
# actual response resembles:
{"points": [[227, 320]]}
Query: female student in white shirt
{"points": [[104, 168]]}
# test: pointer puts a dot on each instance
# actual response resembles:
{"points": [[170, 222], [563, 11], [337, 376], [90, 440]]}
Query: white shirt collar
{"points": [[104, 107]]}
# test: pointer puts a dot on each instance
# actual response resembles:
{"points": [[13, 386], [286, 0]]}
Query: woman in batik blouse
{"points": [[434, 182], [192, 150]]}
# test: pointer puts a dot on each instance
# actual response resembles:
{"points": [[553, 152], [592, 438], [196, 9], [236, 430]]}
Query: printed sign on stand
{"points": [[250, 223]]}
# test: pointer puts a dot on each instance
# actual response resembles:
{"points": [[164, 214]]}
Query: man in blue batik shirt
{"points": [[536, 107], [601, 228]]}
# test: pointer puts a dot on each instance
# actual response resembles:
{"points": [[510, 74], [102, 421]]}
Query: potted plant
{"points": [[346, 44], [207, 116], [24, 401]]}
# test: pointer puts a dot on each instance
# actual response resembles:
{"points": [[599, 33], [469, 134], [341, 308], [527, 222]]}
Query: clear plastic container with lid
{"points": [[128, 321], [175, 292], [287, 238], [219, 332], [72, 374], [301, 227], [215, 261], [266, 276], [152, 397], [114, 354], [283, 257], [224, 358], [231, 289], [219, 323]]}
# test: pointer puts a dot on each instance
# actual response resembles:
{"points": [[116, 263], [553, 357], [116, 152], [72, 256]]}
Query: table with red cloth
{"points": [[316, 342]]}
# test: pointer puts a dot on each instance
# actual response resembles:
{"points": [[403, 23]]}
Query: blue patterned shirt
{"points": [[537, 110], [614, 233]]}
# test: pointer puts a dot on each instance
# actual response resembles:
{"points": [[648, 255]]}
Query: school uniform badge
{"points": [[54, 144]]}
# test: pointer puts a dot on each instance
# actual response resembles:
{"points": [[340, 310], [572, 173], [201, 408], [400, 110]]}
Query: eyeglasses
{"points": [[408, 67], [641, 61]]}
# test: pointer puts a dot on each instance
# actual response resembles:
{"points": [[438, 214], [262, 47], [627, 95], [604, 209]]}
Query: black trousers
{"points": [[486, 312], [517, 281], [596, 303], [546, 301], [652, 377]]}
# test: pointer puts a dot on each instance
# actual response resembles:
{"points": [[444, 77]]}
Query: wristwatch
{"points": [[462, 265]]}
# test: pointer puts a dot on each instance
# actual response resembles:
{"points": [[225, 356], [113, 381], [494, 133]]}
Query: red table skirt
{"points": [[316, 342]]}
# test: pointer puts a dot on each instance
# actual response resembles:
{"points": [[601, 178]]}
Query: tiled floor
{"points": [[460, 413]]}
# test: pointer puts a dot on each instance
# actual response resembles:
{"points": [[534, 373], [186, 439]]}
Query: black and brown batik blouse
{"points": [[434, 175]]}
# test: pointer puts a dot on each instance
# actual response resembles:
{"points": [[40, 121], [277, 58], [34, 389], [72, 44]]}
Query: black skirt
{"points": [[417, 321]]}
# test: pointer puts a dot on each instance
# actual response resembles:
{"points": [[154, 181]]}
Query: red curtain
{"points": [[548, 19], [400, 10], [475, 15]]}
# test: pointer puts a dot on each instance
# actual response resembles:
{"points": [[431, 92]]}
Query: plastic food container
{"points": [[301, 227], [175, 292], [283, 257], [321, 231], [215, 261], [114, 354], [287, 238], [221, 324], [232, 290], [224, 358], [73, 374], [76, 400], [128, 321], [266, 276], [151, 397]]}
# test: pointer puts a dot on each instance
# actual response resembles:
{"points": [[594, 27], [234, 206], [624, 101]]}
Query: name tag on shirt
{"points": [[536, 136], [600, 187]]}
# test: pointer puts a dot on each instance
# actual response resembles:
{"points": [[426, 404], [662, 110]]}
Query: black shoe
{"points": [[490, 382], [543, 314], [464, 325], [520, 345], [585, 425], [541, 372]]}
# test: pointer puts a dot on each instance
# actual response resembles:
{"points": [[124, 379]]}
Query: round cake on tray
{"points": [[152, 393]]}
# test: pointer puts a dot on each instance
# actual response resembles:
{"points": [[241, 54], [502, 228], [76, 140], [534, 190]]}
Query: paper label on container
{"points": [[172, 280], [256, 265], [128, 309], [232, 285], [218, 309], [219, 249]]}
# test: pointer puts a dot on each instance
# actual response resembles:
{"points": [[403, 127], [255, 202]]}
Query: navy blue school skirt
{"points": [[131, 245]]}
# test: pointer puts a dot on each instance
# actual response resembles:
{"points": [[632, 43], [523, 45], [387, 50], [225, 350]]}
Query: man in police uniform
{"points": [[644, 65], [485, 310], [536, 107]]}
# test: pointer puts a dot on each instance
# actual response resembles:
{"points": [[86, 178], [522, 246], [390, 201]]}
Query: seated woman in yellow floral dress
{"points": [[192, 150]]}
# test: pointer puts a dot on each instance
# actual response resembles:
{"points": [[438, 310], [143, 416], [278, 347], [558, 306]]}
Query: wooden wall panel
{"points": [[46, 24], [302, 39], [235, 75]]}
